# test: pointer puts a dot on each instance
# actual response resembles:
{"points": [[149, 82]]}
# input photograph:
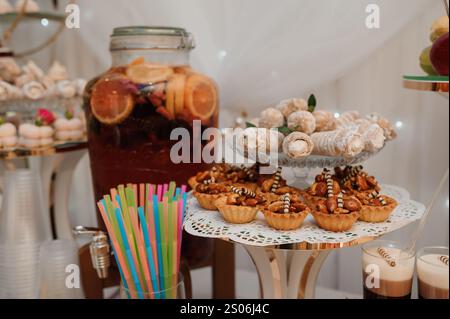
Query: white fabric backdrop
{"points": [[260, 51]]}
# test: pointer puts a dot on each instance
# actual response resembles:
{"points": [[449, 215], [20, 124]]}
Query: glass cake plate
{"points": [[311, 161]]}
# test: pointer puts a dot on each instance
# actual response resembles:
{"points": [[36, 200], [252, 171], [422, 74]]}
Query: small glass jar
{"points": [[132, 108], [388, 270], [432, 273], [175, 290]]}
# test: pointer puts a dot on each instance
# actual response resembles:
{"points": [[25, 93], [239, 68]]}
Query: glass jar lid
{"points": [[151, 37]]}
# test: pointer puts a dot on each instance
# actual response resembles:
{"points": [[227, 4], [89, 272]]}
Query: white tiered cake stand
{"points": [[288, 262]]}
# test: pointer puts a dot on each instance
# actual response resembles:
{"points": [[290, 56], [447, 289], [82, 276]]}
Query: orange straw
{"points": [[118, 252], [140, 245]]}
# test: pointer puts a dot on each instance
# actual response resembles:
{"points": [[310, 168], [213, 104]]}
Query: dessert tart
{"points": [[354, 180], [207, 194], [217, 174], [376, 208], [287, 213], [272, 186], [337, 213], [241, 206], [324, 186]]}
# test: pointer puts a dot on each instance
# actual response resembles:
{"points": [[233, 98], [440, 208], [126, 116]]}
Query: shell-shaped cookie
{"points": [[302, 121], [34, 90], [271, 118]]}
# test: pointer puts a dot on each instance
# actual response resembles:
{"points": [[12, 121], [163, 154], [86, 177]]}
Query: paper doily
{"points": [[203, 223]]}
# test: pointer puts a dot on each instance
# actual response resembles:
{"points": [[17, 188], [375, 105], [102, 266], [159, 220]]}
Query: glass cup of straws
{"points": [[165, 288], [388, 270], [432, 272]]}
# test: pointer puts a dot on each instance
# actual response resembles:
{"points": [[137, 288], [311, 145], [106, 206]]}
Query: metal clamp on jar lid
{"points": [[148, 37]]}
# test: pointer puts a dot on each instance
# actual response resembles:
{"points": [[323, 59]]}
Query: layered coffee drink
{"points": [[387, 271], [432, 273]]}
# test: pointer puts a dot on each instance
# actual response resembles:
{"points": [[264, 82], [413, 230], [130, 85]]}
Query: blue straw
{"points": [[129, 256], [124, 282], [119, 201], [148, 248], [158, 240], [184, 195]]}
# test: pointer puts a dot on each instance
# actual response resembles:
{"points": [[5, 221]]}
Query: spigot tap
{"points": [[99, 249]]}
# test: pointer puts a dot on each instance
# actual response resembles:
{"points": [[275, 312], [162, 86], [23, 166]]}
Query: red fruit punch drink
{"points": [[133, 107]]}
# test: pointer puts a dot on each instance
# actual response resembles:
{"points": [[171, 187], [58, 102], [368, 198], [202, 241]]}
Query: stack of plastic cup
{"points": [[24, 226], [59, 270], [19, 271]]}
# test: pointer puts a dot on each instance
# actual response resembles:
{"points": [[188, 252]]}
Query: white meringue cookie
{"points": [[25, 78], [63, 135], [7, 130], [75, 124], [8, 91], [66, 89], [58, 72], [31, 6], [34, 70], [46, 141], [45, 132], [9, 141], [29, 142], [5, 7], [9, 69], [76, 135], [61, 124], [29, 131]]}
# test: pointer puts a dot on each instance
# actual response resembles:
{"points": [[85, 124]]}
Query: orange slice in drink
{"points": [[200, 96], [137, 61], [170, 97], [175, 92], [185, 69], [111, 100], [148, 73]]}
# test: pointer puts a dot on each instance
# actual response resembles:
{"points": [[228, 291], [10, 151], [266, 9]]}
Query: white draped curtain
{"points": [[261, 51]]}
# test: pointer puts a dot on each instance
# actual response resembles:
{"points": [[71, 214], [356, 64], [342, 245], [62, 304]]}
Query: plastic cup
{"points": [[59, 271]]}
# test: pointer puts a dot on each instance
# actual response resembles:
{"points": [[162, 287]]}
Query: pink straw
{"points": [[159, 193], [180, 229]]}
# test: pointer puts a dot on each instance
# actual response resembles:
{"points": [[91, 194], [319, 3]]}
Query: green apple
{"points": [[425, 62]]}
